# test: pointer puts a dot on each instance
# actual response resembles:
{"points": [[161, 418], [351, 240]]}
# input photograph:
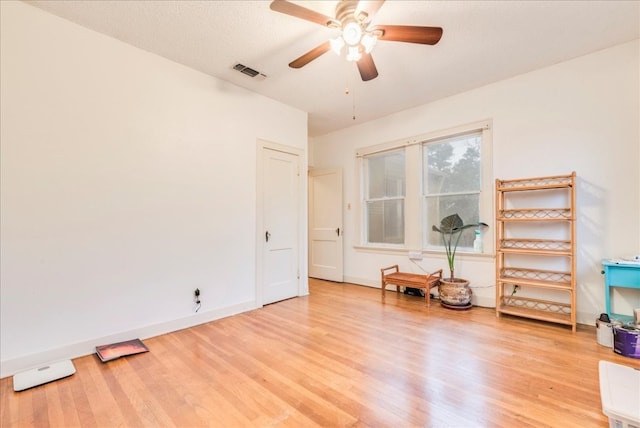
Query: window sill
{"points": [[427, 253], [380, 250], [461, 254]]}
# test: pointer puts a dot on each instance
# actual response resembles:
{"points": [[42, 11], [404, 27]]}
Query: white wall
{"points": [[581, 115], [127, 182]]}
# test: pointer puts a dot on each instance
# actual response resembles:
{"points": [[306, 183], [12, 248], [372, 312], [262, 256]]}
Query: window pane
{"points": [[453, 165], [466, 206], [385, 221], [386, 175]]}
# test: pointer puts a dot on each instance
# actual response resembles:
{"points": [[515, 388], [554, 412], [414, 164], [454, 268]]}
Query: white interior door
{"points": [[325, 224], [281, 196]]}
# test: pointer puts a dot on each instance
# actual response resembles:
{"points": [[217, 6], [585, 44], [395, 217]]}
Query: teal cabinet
{"points": [[617, 274]]}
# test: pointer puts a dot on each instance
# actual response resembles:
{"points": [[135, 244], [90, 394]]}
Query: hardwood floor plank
{"points": [[103, 399], [231, 385], [123, 401], [336, 358], [26, 412], [64, 393], [84, 391], [55, 415], [8, 404], [265, 364], [171, 392], [214, 404]]}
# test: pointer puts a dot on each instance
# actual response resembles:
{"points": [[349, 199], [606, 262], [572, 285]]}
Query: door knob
{"points": [[338, 231], [267, 235]]}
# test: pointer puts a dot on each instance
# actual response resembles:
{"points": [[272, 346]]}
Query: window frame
{"points": [[426, 196], [364, 199], [414, 206]]}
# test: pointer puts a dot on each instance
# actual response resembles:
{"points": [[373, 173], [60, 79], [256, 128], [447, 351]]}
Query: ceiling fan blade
{"points": [[369, 6], [311, 55], [293, 9], [366, 67], [410, 34]]}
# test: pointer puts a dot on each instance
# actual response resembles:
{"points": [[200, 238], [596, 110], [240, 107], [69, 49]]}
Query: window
{"points": [[452, 178], [384, 197], [408, 186]]}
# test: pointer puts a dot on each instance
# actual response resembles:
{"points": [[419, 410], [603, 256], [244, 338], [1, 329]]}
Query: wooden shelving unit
{"points": [[519, 257]]}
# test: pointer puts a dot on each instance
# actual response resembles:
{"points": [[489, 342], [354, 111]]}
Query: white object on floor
{"points": [[620, 394], [40, 375], [604, 333]]}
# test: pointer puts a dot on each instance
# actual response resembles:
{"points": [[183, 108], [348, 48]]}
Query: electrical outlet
{"points": [[415, 255], [196, 299]]}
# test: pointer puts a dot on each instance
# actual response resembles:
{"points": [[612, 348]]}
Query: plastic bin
{"points": [[620, 394], [604, 333]]}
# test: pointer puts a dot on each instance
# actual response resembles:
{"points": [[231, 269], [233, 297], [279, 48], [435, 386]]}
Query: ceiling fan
{"points": [[353, 19]]}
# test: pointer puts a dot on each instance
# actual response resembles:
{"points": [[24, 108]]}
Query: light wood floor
{"points": [[336, 358]]}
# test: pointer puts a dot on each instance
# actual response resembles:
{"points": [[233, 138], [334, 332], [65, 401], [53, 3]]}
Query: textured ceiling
{"points": [[483, 42]]}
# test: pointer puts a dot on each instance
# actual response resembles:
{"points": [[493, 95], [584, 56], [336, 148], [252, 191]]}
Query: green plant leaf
{"points": [[451, 228], [450, 223]]}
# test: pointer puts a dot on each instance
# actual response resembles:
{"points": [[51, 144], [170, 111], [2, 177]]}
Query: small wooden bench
{"points": [[413, 280]]}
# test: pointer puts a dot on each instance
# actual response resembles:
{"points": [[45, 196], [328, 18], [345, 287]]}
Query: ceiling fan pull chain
{"points": [[347, 91], [353, 96]]}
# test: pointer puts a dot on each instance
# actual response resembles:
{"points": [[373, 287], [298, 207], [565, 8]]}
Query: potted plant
{"points": [[454, 292]]}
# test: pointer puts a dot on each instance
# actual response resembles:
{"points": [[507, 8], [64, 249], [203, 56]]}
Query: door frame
{"points": [[303, 281]]}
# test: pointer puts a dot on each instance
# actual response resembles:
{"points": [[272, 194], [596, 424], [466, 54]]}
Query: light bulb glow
{"points": [[369, 41], [336, 45], [353, 54], [352, 33]]}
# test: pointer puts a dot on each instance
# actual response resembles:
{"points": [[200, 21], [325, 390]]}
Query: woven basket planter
{"points": [[455, 293]]}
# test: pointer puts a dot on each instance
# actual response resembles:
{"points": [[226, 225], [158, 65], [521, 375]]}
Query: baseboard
{"points": [[483, 301], [362, 281], [13, 366]]}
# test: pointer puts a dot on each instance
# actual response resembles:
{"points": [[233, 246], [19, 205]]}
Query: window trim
{"points": [[414, 229]]}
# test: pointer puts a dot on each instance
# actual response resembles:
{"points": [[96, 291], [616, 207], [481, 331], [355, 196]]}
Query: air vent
{"points": [[249, 71]]}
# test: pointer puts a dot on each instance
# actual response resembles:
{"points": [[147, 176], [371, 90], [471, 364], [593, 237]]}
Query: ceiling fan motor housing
{"points": [[346, 14]]}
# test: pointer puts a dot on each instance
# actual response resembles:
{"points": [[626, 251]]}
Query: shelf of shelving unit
{"points": [[536, 183], [536, 277], [535, 214], [537, 309], [562, 283], [550, 247]]}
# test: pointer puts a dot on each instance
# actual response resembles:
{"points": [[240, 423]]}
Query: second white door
{"points": [[325, 224]]}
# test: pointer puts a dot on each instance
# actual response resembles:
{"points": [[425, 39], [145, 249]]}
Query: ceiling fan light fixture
{"points": [[352, 33], [368, 42], [337, 44], [354, 54]]}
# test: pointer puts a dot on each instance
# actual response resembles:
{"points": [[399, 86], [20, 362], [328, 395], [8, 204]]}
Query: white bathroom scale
{"points": [[41, 375]]}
